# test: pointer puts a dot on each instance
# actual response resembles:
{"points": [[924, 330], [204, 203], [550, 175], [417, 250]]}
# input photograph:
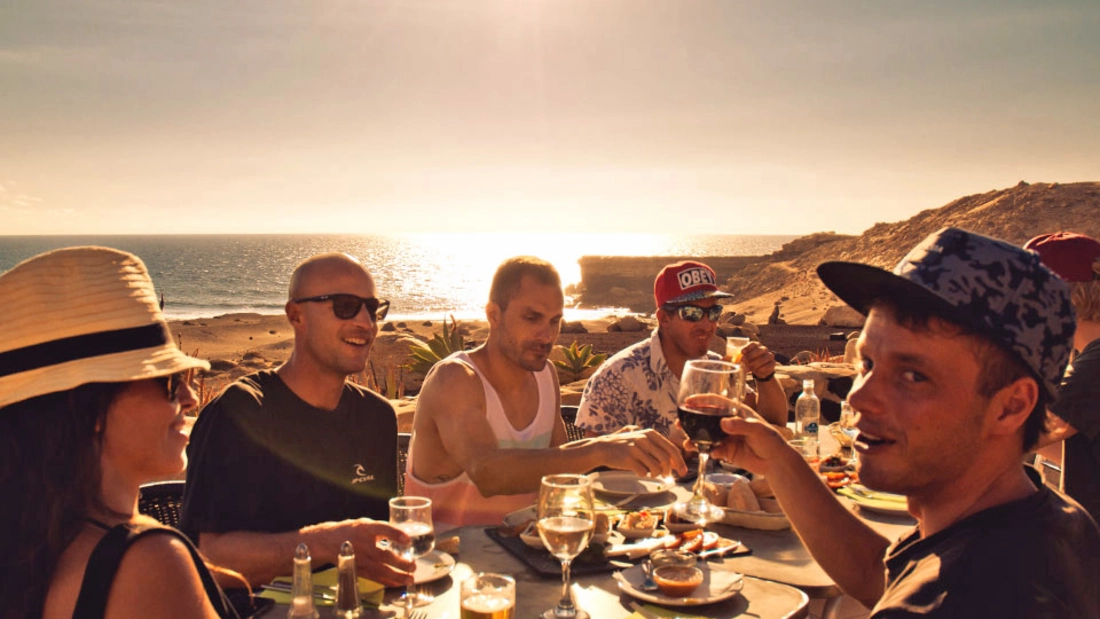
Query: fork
{"points": [[419, 614]]}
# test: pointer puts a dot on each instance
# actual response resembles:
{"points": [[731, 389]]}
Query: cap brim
{"points": [[862, 285], [699, 295]]}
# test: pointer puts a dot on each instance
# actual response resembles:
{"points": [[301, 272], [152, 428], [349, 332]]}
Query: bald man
{"points": [[300, 454]]}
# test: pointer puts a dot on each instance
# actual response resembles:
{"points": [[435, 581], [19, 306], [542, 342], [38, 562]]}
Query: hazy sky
{"points": [[683, 116]]}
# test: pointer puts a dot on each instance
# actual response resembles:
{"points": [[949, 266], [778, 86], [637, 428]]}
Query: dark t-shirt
{"points": [[1078, 404], [261, 459], [1035, 558]]}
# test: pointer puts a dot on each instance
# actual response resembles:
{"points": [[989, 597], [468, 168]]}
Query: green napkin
{"points": [[370, 592]]}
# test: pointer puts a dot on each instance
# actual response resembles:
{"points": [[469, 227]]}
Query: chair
{"points": [[162, 500], [569, 416], [403, 439]]}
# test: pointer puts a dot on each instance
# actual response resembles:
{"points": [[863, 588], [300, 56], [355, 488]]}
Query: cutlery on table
{"points": [[320, 592]]}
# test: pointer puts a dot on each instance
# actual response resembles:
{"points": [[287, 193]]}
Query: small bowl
{"points": [[678, 581], [669, 556]]}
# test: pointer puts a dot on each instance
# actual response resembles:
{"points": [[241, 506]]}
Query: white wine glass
{"points": [[708, 391], [566, 524], [413, 515]]}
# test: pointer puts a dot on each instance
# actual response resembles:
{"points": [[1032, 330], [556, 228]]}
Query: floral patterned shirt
{"points": [[634, 387]]}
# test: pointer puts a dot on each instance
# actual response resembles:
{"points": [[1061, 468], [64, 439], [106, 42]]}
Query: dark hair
{"points": [[50, 479], [998, 366], [510, 273]]}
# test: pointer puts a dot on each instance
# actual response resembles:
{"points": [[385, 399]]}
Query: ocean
{"points": [[425, 276]]}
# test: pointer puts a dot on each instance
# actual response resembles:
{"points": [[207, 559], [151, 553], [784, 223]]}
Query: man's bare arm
{"points": [[263, 556], [453, 401], [847, 549]]}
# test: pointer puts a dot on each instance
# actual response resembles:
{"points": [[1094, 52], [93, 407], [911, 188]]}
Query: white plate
{"points": [[625, 483], [717, 585], [433, 566]]}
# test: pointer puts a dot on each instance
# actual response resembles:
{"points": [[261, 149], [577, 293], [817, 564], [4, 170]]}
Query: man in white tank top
{"points": [[487, 424]]}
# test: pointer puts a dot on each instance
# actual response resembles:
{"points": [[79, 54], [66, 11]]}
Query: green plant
{"points": [[422, 358], [578, 360]]}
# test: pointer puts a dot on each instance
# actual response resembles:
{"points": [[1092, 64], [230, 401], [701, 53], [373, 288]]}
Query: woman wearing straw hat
{"points": [[92, 394]]}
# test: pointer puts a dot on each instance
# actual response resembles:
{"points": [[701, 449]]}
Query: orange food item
{"points": [[677, 581], [710, 540], [691, 541]]}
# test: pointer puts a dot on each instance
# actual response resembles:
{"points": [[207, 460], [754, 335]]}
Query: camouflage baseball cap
{"points": [[991, 286]]}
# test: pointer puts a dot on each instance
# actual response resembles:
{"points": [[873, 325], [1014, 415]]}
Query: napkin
{"points": [[370, 592]]}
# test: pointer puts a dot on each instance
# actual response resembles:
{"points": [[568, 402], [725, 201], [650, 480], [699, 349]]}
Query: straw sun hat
{"points": [[81, 315]]}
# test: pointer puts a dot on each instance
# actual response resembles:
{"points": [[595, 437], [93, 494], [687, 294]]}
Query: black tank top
{"points": [[105, 558]]}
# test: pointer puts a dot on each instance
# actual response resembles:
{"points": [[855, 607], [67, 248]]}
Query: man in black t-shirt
{"points": [[1076, 413], [300, 454], [965, 342]]}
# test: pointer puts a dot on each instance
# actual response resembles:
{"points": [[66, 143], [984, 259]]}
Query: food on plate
{"points": [[761, 487], [639, 521], [448, 545], [716, 493], [671, 556], [677, 581], [770, 505], [742, 498], [833, 463], [838, 479]]}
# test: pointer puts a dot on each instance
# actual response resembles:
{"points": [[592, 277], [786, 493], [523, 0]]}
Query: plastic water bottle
{"points": [[807, 415]]}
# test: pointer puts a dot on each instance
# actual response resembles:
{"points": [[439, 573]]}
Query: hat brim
{"points": [[862, 285], [699, 295], [112, 368]]}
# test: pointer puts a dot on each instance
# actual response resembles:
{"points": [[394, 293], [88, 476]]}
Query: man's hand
{"points": [[375, 556], [757, 359], [751, 443], [645, 452]]}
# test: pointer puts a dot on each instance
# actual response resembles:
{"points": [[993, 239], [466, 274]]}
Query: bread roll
{"points": [[761, 488], [717, 494], [741, 497], [770, 505]]}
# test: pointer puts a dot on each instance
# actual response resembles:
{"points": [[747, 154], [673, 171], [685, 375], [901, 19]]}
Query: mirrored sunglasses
{"points": [[694, 313], [346, 306]]}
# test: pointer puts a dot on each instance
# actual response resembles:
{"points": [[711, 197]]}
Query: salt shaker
{"points": [[347, 585], [301, 591]]}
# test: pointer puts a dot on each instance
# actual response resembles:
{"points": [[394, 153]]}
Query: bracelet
{"points": [[766, 378]]}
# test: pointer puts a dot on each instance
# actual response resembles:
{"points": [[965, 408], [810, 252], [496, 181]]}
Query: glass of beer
{"points": [[708, 390], [734, 348], [566, 523], [488, 596]]}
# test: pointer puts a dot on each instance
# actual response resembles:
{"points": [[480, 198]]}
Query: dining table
{"points": [[780, 575]]}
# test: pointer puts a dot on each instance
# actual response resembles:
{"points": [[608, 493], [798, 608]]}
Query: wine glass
{"points": [[847, 425], [413, 515], [708, 390], [566, 524]]}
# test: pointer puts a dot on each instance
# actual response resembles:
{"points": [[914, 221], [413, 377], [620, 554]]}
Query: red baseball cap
{"points": [[686, 281], [1068, 254]]}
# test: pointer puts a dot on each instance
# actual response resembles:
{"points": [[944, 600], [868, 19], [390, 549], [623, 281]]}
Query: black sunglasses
{"points": [[346, 306], [171, 384], [694, 313]]}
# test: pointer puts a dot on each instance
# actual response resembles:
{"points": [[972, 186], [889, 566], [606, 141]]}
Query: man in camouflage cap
{"points": [[964, 346]]}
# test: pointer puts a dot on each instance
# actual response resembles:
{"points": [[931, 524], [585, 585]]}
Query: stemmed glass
{"points": [[566, 523], [413, 515], [708, 390]]}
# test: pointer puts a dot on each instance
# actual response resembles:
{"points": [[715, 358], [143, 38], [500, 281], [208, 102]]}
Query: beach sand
{"points": [[239, 344]]}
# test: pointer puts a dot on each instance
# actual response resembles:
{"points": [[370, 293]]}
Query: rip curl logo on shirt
{"points": [[694, 277], [361, 475]]}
